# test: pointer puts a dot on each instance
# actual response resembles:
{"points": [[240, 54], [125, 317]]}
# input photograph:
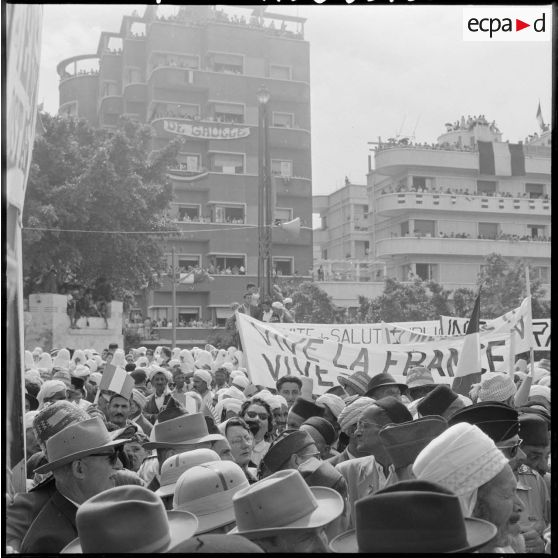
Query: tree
{"points": [[82, 179], [463, 302], [503, 288], [311, 304]]}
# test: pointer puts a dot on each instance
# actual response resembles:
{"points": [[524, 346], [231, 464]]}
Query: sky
{"points": [[375, 71]]}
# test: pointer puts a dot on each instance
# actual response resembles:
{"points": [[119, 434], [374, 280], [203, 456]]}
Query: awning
{"points": [[223, 313]]}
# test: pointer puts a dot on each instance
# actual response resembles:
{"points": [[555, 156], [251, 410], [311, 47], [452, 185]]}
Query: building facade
{"points": [[193, 73], [437, 210]]}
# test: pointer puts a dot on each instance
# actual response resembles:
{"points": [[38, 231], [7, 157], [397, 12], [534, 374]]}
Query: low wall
{"points": [[47, 325]]}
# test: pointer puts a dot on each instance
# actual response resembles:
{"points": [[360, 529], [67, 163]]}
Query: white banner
{"points": [[206, 131], [357, 334], [270, 354]]}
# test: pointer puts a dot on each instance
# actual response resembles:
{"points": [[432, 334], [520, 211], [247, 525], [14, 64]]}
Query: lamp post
{"points": [[265, 216]]}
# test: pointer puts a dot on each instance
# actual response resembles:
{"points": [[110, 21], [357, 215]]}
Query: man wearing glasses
{"points": [[501, 423], [83, 461]]}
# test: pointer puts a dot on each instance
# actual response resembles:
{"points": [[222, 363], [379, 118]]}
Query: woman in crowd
{"points": [[257, 414]]}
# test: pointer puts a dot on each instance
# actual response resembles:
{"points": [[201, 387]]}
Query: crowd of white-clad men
{"points": [[192, 457]]}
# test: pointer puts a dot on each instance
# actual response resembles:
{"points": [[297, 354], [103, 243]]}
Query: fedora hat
{"points": [[284, 502], [498, 420], [184, 430], [403, 442], [218, 544], [533, 430], [305, 409], [175, 465], [129, 519], [358, 381], [287, 444], [207, 491], [383, 380], [413, 516], [394, 409], [78, 440]]}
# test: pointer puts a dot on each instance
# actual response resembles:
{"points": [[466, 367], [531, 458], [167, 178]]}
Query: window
{"points": [[282, 120], [536, 231], [110, 88], [186, 314], [159, 313], [188, 213], [279, 72], [534, 190], [228, 214], [283, 214], [187, 162], [424, 228], [324, 254], [231, 262], [426, 271], [227, 63], [281, 168], [488, 230], [134, 75], [542, 273], [283, 266], [419, 182], [185, 261], [229, 113], [486, 187], [324, 223], [227, 163], [405, 228], [68, 109]]}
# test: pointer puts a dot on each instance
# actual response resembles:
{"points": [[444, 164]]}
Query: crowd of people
{"points": [[407, 142], [498, 236], [399, 188], [182, 453], [470, 123]]}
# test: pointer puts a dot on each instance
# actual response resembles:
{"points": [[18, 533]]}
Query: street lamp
{"points": [[265, 216]]}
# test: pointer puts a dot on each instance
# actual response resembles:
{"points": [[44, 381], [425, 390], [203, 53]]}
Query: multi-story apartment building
{"points": [[437, 210], [194, 72]]}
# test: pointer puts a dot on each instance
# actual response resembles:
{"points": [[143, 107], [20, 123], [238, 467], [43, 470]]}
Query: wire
{"points": [[138, 232]]}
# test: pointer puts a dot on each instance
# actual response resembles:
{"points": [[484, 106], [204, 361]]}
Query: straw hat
{"points": [[413, 516], [496, 386], [358, 381], [175, 465], [77, 440], [184, 430], [129, 519], [419, 376], [284, 502], [207, 491]]}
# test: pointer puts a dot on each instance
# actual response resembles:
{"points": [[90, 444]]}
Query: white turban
{"points": [[333, 402], [241, 382], [277, 401], [142, 362], [204, 359], [79, 357], [541, 390], [48, 389], [175, 352], [351, 413], [187, 361], [204, 375], [228, 404], [45, 362], [233, 392], [173, 362], [461, 459], [92, 365], [159, 370], [33, 376], [220, 358], [62, 359], [95, 378], [28, 360], [119, 359], [81, 371]]}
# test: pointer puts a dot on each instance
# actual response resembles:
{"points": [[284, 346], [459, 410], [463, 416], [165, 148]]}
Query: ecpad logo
{"points": [[507, 24]]}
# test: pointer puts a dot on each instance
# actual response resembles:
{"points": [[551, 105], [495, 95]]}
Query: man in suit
{"points": [[83, 460], [366, 475]]}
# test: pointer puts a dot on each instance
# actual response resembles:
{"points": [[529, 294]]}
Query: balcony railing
{"points": [[462, 247], [461, 202]]}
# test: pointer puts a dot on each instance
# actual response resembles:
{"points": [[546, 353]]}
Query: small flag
{"points": [[469, 364], [540, 118], [117, 380]]}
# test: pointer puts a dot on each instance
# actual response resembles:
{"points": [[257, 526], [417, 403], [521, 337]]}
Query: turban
{"points": [[95, 378], [142, 362], [29, 360], [91, 364], [521, 365], [81, 371], [204, 359], [496, 386], [277, 401], [461, 459], [49, 388], [227, 404], [45, 362], [158, 370], [62, 359], [544, 381], [37, 351], [187, 361], [333, 402], [79, 357], [233, 392], [227, 366], [220, 358], [240, 382], [541, 391], [33, 376], [175, 353], [139, 398], [173, 362], [63, 375], [118, 359], [352, 412], [204, 375]]}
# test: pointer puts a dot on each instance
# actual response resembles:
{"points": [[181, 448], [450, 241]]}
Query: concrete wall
{"points": [[47, 325]]}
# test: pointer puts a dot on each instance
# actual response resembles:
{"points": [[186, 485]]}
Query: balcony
{"points": [[403, 201], [395, 160], [456, 247]]}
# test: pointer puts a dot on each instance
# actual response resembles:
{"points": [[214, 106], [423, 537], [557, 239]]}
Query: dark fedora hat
{"points": [[383, 380], [324, 427], [306, 409], [497, 420], [288, 444], [437, 401], [394, 409], [413, 516], [535, 409], [403, 442], [533, 430]]}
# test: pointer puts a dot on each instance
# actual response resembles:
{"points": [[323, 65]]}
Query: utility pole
{"points": [[173, 301]]}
